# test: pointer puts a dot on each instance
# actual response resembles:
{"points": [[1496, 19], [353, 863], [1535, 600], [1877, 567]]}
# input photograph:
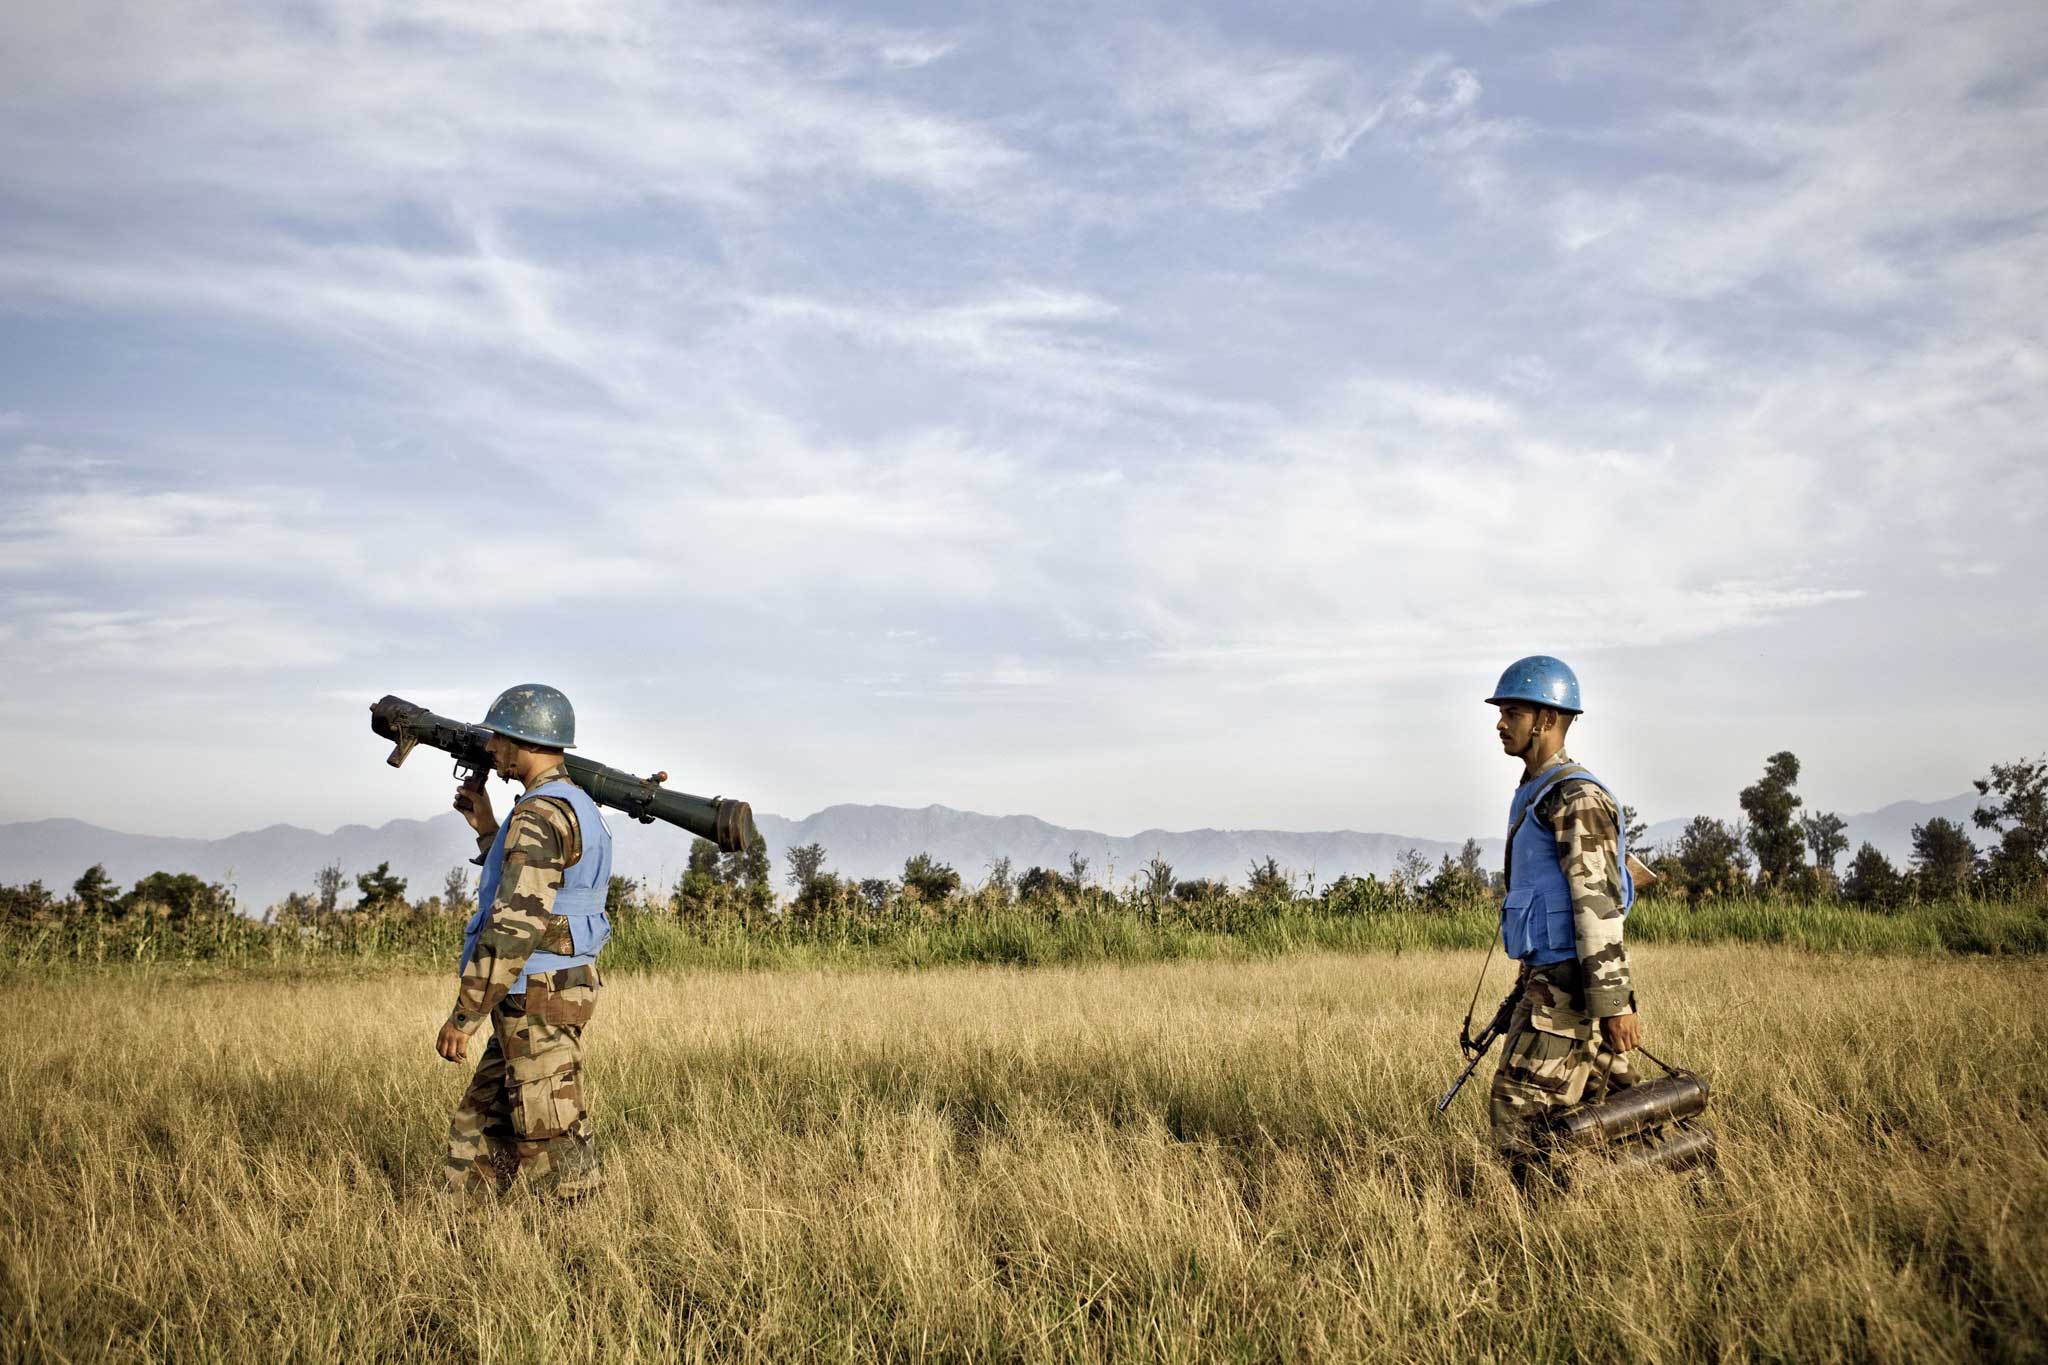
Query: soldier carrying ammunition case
{"points": [[529, 961], [1569, 888], [1565, 1086]]}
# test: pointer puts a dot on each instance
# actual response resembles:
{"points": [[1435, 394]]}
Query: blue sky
{"points": [[1134, 416]]}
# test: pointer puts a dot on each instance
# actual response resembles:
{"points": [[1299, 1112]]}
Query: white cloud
{"points": [[37, 459], [1827, 172], [318, 112], [1088, 367], [219, 636], [909, 54], [1035, 344], [1393, 525], [1006, 674], [1491, 11], [394, 554], [1580, 219], [1242, 125], [1439, 91]]}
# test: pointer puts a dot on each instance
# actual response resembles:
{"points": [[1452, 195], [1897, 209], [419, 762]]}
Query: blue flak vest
{"points": [[1536, 917], [584, 884]]}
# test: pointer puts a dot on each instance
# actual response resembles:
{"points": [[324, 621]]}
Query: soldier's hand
{"points": [[453, 1044], [1623, 1032], [475, 804]]}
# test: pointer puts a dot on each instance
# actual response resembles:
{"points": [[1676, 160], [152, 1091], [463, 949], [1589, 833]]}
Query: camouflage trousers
{"points": [[523, 1113], [1553, 1057]]}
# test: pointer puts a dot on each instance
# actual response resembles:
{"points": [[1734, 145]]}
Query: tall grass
{"points": [[1180, 1161], [980, 928]]}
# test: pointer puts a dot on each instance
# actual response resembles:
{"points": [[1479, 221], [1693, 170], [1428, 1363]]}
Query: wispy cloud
{"points": [[1490, 11], [1835, 157], [1074, 372], [910, 53], [599, 105], [210, 636], [1241, 126], [1040, 345]]}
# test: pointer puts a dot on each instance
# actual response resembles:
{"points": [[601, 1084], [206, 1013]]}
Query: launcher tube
{"points": [[727, 823]]}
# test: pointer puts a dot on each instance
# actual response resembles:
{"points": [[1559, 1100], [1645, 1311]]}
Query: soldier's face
{"points": [[1517, 728], [503, 753]]}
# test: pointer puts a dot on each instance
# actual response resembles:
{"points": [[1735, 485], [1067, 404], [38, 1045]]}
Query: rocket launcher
{"points": [[728, 824]]}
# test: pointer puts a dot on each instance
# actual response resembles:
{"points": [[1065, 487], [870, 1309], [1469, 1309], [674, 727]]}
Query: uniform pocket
{"points": [[1517, 913], [547, 1106], [1540, 1061], [565, 998], [589, 932], [1558, 929], [1553, 1009]]}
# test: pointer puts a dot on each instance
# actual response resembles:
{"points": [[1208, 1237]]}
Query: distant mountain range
{"points": [[1890, 828], [860, 841]]}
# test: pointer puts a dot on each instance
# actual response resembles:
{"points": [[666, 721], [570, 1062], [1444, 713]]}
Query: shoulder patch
{"points": [[1577, 789], [1574, 794]]}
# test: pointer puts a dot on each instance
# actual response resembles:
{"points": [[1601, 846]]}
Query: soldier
{"points": [[529, 961], [1569, 887]]}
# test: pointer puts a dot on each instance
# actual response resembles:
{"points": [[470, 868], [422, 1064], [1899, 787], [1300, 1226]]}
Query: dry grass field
{"points": [[1176, 1161]]}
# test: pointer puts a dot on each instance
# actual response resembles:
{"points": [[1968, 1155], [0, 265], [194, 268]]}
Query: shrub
{"points": [[932, 881], [1873, 882]]}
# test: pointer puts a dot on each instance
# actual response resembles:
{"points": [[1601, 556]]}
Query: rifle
{"points": [[1475, 1049], [729, 824]]}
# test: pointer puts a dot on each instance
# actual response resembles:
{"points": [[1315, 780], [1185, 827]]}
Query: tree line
{"points": [[175, 897], [1776, 849]]}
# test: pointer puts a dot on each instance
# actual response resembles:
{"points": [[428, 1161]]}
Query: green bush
{"points": [[839, 922]]}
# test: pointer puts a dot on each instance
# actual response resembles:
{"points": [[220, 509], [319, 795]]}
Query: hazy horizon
{"points": [[503, 794], [1166, 417]]}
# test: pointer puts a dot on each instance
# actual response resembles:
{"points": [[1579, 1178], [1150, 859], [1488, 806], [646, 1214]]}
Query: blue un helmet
{"points": [[533, 713], [1542, 681]]}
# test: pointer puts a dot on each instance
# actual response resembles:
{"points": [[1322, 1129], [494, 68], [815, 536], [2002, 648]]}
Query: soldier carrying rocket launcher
{"points": [[529, 956]]}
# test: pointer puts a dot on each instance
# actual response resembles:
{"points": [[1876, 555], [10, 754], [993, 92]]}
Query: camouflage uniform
{"points": [[524, 1109], [1554, 1048]]}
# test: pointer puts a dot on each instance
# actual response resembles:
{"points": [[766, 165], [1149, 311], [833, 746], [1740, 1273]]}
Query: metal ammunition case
{"points": [[1647, 1104], [1689, 1144]]}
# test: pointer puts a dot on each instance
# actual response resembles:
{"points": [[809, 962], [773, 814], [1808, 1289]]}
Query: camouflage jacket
{"points": [[540, 845], [1587, 828]]}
